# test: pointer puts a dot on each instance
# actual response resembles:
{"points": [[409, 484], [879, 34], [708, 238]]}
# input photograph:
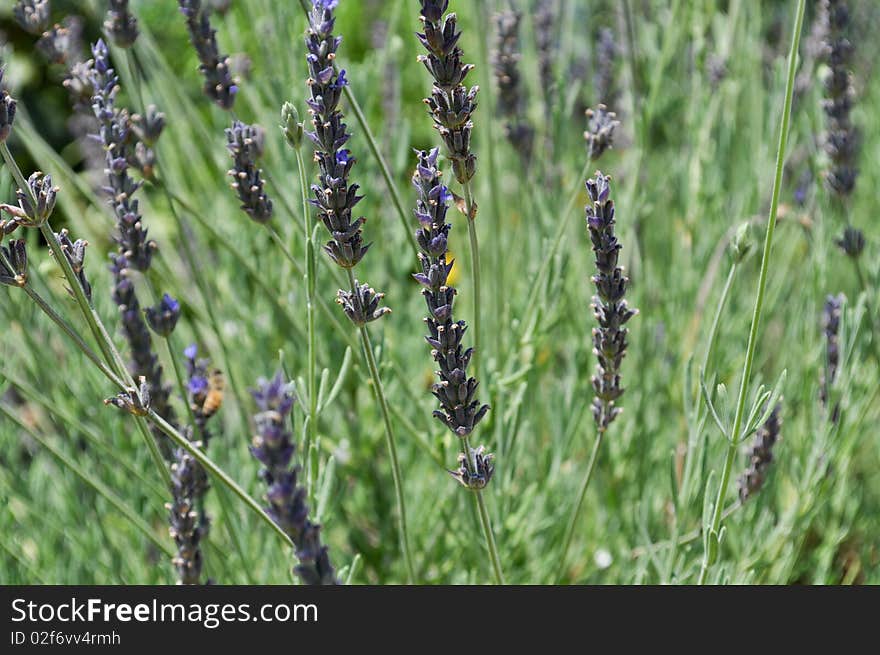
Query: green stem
{"points": [[311, 268], [475, 275], [379, 393], [74, 336], [710, 554], [485, 522], [863, 287], [572, 520]]}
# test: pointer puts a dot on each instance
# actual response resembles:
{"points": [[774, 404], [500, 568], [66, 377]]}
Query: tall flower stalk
{"points": [[459, 410], [611, 312], [335, 197], [712, 540], [451, 106]]}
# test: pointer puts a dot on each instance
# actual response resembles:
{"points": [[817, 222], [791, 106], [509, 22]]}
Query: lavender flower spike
{"points": [[831, 314], [7, 110], [335, 198], [761, 455], [186, 528], [245, 144], [511, 98], [451, 103], [214, 66], [273, 446], [609, 304], [459, 409], [120, 24]]}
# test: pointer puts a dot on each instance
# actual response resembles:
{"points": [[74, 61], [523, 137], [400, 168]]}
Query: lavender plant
{"points": [[214, 66], [274, 448], [451, 106], [511, 95], [612, 313], [831, 313], [335, 198], [460, 411], [135, 249]]}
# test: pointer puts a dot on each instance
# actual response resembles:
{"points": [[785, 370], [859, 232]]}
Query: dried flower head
{"points": [[134, 401], [245, 144], [186, 527], [761, 454], [361, 304], [41, 190], [477, 473], [32, 15], [120, 24], [274, 448], [14, 263], [609, 304], [601, 125], [75, 252]]}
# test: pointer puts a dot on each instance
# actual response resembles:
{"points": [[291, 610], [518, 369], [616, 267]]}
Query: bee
{"points": [[214, 395]]}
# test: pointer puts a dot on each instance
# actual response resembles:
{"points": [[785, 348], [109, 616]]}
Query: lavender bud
{"points": [[361, 305], [120, 24], [601, 125], [761, 455], [162, 318], [148, 127], [219, 85], [32, 15], [291, 125], [75, 251], [13, 264], [274, 448], [7, 111], [477, 473], [245, 144], [609, 305], [852, 242], [742, 242]]}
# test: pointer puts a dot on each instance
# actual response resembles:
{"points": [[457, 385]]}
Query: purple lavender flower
{"points": [[451, 103], [120, 24], [841, 137], [459, 409], [274, 448], [511, 95], [75, 251], [32, 15], [335, 197], [546, 21], [26, 213], [245, 144], [185, 525], [609, 304], [761, 454], [831, 314], [219, 85], [604, 79], [115, 135], [162, 318]]}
